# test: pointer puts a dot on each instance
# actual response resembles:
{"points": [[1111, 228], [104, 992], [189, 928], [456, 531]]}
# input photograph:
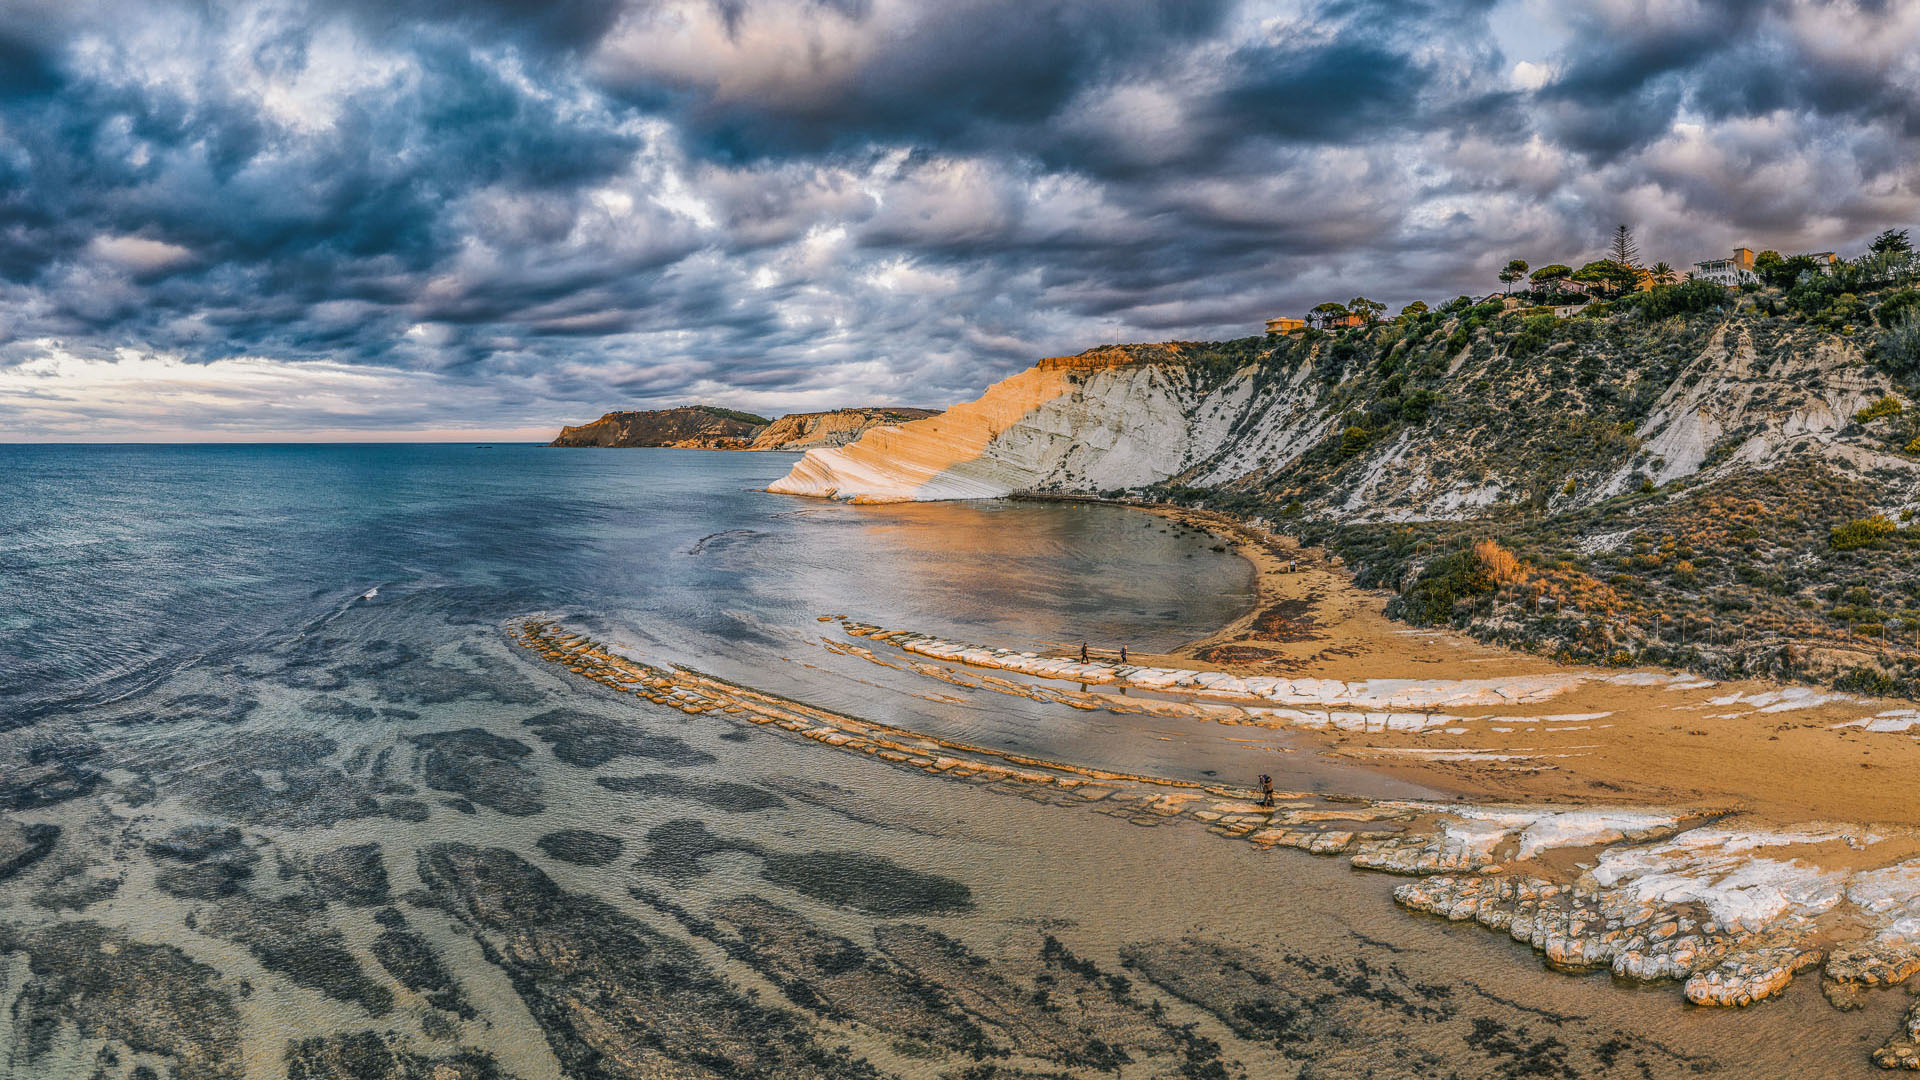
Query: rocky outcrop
{"points": [[813, 430], [1339, 426], [690, 426], [707, 427], [1108, 418]]}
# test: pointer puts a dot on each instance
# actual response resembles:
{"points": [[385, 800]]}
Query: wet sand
{"points": [[1762, 754], [1653, 893]]}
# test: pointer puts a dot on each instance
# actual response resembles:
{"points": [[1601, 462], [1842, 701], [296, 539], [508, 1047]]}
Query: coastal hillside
{"points": [[708, 427], [808, 431], [690, 426], [1696, 476]]}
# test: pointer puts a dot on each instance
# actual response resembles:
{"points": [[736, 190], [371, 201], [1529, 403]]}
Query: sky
{"points": [[406, 219]]}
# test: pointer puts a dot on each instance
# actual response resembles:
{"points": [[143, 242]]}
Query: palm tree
{"points": [[1664, 274]]}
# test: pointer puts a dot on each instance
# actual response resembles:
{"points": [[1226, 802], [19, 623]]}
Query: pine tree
{"points": [[1624, 251]]}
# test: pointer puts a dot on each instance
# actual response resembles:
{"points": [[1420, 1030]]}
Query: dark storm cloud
{"points": [[510, 213], [962, 70]]}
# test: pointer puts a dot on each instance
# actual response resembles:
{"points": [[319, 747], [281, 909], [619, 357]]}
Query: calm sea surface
{"points": [[280, 799]]}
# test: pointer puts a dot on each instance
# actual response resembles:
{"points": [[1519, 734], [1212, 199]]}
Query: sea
{"points": [[283, 798]]}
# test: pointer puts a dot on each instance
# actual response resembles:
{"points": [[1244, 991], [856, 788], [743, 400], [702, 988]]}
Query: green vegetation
{"points": [[1444, 586], [1886, 406], [733, 414], [1862, 532], [1465, 420]]}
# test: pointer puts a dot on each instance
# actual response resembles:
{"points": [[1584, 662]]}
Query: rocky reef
{"points": [[1652, 894]]}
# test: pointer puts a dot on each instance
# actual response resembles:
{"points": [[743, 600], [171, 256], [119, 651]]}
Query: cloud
{"points": [[138, 254], [510, 214]]}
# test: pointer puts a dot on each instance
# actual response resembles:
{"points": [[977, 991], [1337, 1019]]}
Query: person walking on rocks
{"points": [[1123, 654], [1083, 652], [1266, 791]]}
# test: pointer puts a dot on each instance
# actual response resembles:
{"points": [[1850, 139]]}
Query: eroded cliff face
{"points": [[1109, 418], [1726, 491], [808, 431], [1402, 429]]}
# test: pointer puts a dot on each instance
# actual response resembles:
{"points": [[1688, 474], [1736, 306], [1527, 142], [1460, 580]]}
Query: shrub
{"points": [[1500, 564], [1861, 532], [1898, 308], [1886, 406], [1535, 332], [1686, 298], [1445, 583], [1863, 680], [1897, 348]]}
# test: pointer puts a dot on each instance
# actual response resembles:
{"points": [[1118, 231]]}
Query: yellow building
{"points": [[1285, 325]]}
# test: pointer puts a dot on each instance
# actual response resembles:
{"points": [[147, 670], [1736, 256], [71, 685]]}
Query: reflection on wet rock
{"points": [[678, 849], [191, 843], [833, 976], [85, 978], [367, 1055], [581, 846], [866, 883], [23, 845], [848, 879], [414, 965], [483, 767], [617, 999], [215, 864], [44, 783], [1355, 1019], [721, 795], [274, 778], [289, 935], [590, 740], [396, 672], [933, 996], [355, 874]]}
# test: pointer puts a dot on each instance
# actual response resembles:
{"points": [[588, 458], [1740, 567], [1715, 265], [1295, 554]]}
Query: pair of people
{"points": [[1266, 791], [1083, 653]]}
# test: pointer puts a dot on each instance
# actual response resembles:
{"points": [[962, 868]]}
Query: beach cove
{"points": [[343, 805]]}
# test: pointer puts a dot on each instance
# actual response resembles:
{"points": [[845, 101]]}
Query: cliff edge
{"points": [[1110, 417], [709, 427], [1700, 478], [838, 427], [704, 427]]}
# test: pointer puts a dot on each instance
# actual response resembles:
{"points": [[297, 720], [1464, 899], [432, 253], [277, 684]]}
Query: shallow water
{"points": [[396, 836]]}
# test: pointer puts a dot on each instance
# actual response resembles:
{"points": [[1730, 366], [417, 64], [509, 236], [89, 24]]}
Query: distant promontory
{"points": [[709, 427]]}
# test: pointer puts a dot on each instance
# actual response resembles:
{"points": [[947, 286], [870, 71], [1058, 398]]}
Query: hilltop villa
{"points": [[1739, 269]]}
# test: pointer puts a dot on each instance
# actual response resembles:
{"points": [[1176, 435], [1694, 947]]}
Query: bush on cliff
{"points": [[1686, 298], [1443, 585], [1862, 532]]}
